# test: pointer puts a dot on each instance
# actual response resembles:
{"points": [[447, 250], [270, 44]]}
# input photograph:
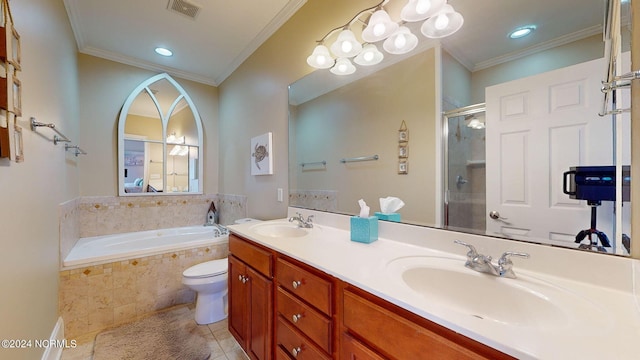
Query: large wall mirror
{"points": [[496, 128], [159, 140]]}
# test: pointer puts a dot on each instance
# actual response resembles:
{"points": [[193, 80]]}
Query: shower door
{"points": [[465, 185]]}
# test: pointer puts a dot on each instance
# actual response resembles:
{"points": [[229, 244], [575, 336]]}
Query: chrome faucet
{"points": [[483, 264], [302, 223]]}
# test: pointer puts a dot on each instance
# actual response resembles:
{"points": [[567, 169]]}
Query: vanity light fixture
{"points": [[401, 42], [418, 10], [379, 28], [370, 55], [346, 45], [442, 24], [441, 20], [343, 67], [522, 31], [163, 51], [320, 58], [173, 139]]}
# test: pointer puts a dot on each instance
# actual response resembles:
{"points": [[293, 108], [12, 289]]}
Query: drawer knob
{"points": [[296, 317], [243, 278], [296, 351], [296, 284], [240, 277]]}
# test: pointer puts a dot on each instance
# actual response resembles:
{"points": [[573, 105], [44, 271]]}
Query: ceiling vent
{"points": [[184, 7]]}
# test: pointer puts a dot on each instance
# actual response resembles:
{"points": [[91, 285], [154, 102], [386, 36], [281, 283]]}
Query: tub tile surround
{"points": [[96, 297], [93, 216], [610, 283], [93, 298]]}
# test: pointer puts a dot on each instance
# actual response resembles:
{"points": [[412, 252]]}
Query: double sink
{"points": [[531, 300]]}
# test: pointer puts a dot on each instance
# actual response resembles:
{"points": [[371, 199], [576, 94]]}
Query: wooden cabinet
{"points": [[251, 297], [304, 302], [281, 308], [388, 331]]}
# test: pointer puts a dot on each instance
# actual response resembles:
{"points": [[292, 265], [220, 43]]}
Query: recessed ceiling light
{"points": [[522, 31], [164, 52]]}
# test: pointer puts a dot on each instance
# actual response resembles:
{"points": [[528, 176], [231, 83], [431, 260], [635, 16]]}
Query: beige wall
{"points": [[31, 191], [326, 129], [253, 100], [105, 87]]}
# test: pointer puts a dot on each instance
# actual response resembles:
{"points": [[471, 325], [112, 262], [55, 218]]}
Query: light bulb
{"points": [[368, 56], [423, 6], [346, 46], [342, 68], [321, 60], [400, 41], [442, 21], [379, 29]]}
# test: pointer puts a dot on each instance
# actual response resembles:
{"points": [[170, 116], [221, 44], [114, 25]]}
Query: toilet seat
{"points": [[207, 269]]}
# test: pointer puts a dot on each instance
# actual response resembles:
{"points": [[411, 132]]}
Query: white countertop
{"points": [[610, 329]]}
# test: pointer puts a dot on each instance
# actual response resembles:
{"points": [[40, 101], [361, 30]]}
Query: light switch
{"points": [[280, 199]]}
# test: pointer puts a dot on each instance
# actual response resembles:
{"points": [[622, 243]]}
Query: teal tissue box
{"points": [[364, 230], [388, 217]]}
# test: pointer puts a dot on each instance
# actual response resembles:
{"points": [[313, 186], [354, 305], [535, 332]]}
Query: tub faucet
{"points": [[301, 221], [483, 264]]}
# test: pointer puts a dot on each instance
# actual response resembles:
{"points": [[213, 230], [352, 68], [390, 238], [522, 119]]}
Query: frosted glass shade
{"points": [[343, 67], [346, 45], [418, 10], [442, 24], [401, 42], [320, 58], [370, 55], [379, 28]]}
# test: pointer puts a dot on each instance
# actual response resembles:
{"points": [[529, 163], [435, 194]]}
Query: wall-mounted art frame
{"points": [[403, 133], [10, 87], [403, 151], [16, 57], [17, 144], [403, 167], [262, 155], [17, 97]]}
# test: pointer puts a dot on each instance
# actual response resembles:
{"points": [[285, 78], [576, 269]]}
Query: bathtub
{"points": [[108, 248]]}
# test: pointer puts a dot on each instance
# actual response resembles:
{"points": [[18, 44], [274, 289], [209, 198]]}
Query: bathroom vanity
{"points": [[314, 294]]}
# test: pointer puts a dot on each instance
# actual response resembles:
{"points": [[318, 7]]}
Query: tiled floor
{"points": [[223, 345]]}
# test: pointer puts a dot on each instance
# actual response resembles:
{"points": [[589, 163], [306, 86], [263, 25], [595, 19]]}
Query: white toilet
{"points": [[209, 281]]}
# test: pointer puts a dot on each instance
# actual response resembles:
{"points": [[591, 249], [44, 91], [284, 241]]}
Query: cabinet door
{"points": [[261, 316], [238, 301]]}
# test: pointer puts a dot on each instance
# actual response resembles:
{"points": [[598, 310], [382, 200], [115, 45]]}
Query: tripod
{"points": [[593, 243]]}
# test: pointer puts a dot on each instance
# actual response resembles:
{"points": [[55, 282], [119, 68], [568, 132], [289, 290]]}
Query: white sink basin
{"points": [[522, 302], [280, 229]]}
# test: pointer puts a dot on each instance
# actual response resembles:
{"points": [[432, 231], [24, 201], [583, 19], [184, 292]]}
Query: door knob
{"points": [[496, 216]]}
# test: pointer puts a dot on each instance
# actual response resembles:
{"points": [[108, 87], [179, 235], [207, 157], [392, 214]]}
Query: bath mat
{"points": [[169, 335]]}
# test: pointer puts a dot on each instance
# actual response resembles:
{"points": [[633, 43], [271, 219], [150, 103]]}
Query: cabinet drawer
{"points": [[309, 321], [281, 354], [352, 349], [401, 338], [254, 256], [296, 345], [310, 287]]}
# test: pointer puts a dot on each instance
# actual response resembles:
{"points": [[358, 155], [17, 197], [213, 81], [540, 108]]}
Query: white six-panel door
{"points": [[537, 128]]}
